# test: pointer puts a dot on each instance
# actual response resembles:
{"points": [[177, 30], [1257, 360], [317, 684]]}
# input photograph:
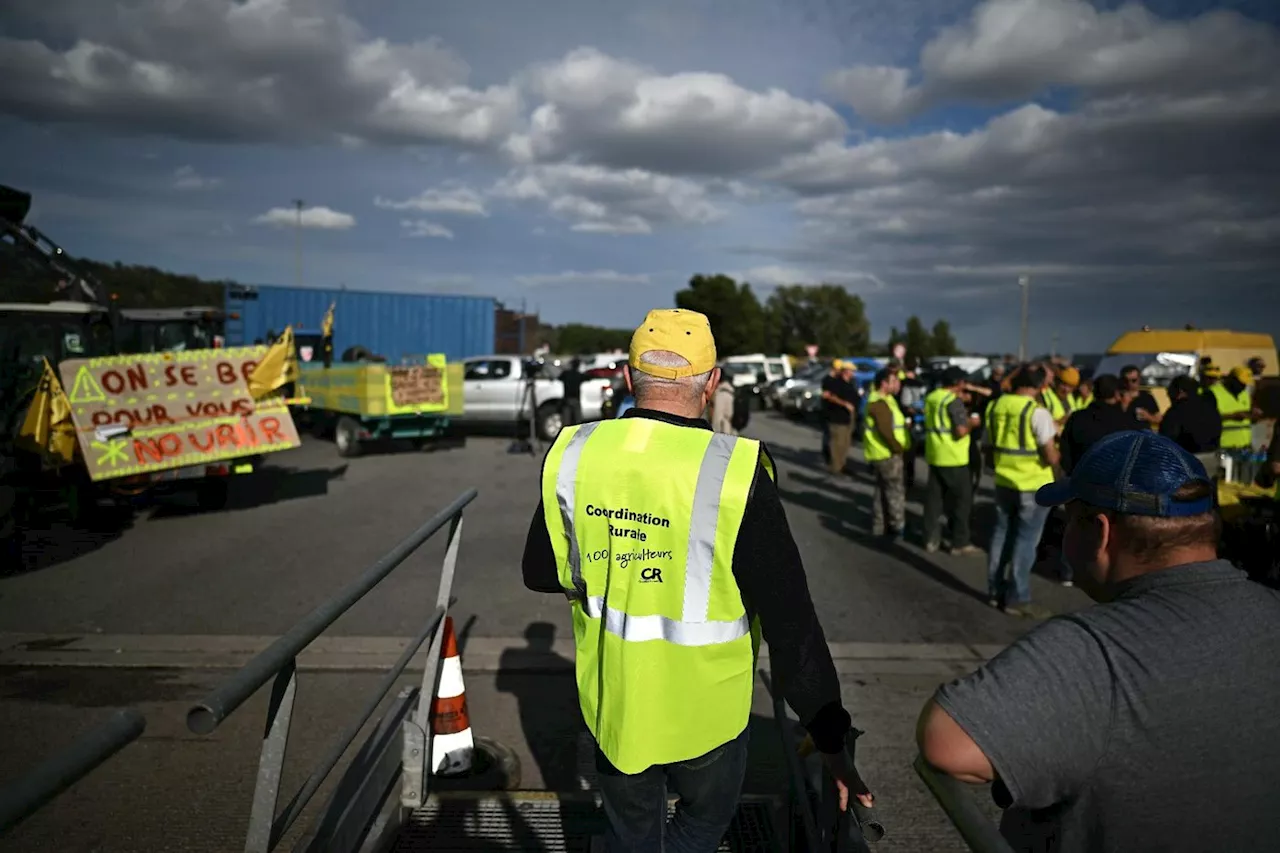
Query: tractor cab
{"points": [[147, 330]]}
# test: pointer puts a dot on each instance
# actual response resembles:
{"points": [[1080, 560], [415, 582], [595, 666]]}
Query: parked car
{"points": [[494, 394]]}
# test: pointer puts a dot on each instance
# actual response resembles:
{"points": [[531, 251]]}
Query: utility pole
{"points": [[1053, 347], [297, 239], [1024, 282]]}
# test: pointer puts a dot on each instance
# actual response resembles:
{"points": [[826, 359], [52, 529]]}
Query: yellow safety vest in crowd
{"points": [[1080, 401], [1056, 406], [1017, 458], [643, 517], [941, 447], [875, 448], [1236, 435]]}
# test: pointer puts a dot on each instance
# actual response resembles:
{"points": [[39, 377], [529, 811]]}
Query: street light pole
{"points": [[1024, 282], [297, 239]]}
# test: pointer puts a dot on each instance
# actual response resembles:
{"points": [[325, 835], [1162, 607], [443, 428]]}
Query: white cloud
{"points": [[423, 228], [606, 201], [187, 178], [462, 201], [1017, 48], [320, 218], [575, 277], [261, 70], [620, 114]]}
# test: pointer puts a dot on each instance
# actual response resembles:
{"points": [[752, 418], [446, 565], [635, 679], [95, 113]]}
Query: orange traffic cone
{"points": [[452, 744]]}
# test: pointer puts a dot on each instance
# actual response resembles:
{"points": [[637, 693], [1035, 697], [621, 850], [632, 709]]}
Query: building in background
{"points": [[514, 332]]}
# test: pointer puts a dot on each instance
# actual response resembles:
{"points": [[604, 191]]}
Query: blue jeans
{"points": [[636, 805], [1017, 510]]}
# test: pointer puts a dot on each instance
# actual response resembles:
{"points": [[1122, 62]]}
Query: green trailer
{"points": [[369, 401]]}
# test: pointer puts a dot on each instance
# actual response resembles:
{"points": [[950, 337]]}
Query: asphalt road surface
{"points": [[312, 521], [153, 614]]}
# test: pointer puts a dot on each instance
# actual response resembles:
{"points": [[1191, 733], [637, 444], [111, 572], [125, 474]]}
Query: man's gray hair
{"points": [[647, 385]]}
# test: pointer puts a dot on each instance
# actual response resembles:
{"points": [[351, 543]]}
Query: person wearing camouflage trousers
{"points": [[884, 443]]}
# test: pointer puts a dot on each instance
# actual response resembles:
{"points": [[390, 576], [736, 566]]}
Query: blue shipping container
{"points": [[393, 325]]}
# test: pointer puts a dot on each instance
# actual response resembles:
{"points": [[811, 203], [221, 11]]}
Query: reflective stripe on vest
{"points": [[941, 448], [643, 517], [1057, 406], [1236, 435], [1017, 459], [692, 629], [875, 448]]}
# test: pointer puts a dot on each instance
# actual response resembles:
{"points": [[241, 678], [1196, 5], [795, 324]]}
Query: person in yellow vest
{"points": [[1083, 394], [884, 445], [1060, 398], [671, 544], [1021, 433], [1235, 404], [947, 424]]}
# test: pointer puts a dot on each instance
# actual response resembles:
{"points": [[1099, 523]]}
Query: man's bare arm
{"points": [[949, 748]]}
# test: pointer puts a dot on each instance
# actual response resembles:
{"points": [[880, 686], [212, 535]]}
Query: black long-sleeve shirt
{"points": [[770, 575]]}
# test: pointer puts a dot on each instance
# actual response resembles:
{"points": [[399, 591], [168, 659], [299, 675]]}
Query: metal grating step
{"points": [[550, 822]]}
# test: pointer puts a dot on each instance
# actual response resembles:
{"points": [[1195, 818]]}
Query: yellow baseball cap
{"points": [[837, 364], [685, 333], [1069, 376], [1242, 374], [1211, 370]]}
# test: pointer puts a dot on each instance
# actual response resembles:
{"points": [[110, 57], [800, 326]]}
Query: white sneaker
{"points": [[1068, 584]]}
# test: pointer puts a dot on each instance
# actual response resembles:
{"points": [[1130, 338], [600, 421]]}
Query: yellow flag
{"points": [[47, 428], [278, 367], [326, 327]]}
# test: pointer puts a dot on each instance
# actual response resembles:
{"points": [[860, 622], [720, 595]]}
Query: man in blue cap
{"points": [[1134, 723]]}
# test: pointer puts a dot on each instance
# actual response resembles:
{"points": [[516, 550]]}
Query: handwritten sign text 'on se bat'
{"points": [[179, 409]]}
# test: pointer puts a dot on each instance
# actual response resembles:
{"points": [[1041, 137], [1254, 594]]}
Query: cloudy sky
{"points": [[587, 156]]}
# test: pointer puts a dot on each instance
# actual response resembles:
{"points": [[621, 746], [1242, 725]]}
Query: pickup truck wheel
{"points": [[549, 422], [346, 435]]}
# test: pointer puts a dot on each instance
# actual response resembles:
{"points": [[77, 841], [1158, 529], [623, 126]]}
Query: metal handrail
{"points": [[956, 799], [25, 796], [203, 718], [799, 789], [266, 826]]}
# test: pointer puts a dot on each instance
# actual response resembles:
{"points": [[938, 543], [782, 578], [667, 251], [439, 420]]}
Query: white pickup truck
{"points": [[494, 395]]}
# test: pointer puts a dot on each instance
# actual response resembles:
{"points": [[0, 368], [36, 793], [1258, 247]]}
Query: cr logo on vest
{"points": [[651, 575]]}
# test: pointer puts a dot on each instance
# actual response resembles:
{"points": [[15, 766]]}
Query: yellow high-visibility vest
{"points": [[941, 448], [1017, 456], [875, 448], [643, 518], [1236, 435]]}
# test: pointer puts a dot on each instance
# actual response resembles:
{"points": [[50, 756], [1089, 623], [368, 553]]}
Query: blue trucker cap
{"points": [[1134, 472]]}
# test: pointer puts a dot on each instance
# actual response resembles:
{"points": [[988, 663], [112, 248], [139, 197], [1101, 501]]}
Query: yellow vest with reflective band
{"points": [[874, 448], [643, 518], [1236, 435], [941, 447], [1017, 458]]}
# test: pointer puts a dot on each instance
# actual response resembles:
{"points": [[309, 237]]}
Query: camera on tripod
{"points": [[532, 368]]}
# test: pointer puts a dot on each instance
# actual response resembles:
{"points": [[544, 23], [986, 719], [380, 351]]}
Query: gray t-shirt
{"points": [[1148, 723]]}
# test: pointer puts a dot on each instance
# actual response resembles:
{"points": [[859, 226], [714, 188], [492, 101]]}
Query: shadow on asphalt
{"points": [[57, 540], [837, 515], [269, 485], [93, 687]]}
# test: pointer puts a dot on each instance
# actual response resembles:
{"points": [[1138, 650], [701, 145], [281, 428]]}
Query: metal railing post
{"points": [[416, 771], [956, 800], [275, 742]]}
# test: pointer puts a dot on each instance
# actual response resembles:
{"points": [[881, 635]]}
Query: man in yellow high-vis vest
{"points": [[885, 441], [1060, 397], [947, 424], [1235, 404], [1022, 434], [672, 546]]}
